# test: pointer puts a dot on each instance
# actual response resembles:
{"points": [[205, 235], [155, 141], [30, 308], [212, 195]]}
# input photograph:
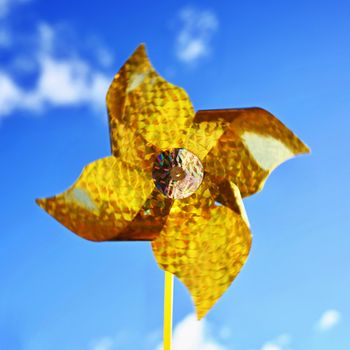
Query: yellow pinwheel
{"points": [[176, 178]]}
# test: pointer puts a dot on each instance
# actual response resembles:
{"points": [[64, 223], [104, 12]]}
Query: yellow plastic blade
{"points": [[146, 113], [253, 144], [150, 219], [109, 197], [204, 243], [202, 136]]}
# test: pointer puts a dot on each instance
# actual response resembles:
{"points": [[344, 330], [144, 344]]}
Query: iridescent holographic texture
{"points": [[176, 178], [177, 173]]}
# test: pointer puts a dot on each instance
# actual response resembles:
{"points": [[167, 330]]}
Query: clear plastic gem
{"points": [[177, 173]]}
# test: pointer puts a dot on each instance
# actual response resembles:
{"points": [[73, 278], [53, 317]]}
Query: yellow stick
{"points": [[168, 309]]}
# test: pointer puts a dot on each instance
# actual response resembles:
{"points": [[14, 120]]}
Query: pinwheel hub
{"points": [[177, 173]]}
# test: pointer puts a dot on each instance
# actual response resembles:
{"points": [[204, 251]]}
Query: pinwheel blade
{"points": [[204, 135], [111, 200], [146, 113], [253, 144], [204, 243]]}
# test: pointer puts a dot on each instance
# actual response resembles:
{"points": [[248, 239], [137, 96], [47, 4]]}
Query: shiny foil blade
{"points": [[253, 144], [203, 136], [204, 243], [146, 113], [111, 200]]}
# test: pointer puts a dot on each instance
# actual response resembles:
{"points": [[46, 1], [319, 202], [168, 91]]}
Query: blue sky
{"points": [[58, 291]]}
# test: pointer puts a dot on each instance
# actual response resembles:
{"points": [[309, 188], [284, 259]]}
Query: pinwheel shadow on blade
{"points": [[203, 238]]}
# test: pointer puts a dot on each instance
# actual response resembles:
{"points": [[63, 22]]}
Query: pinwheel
{"points": [[176, 178]]}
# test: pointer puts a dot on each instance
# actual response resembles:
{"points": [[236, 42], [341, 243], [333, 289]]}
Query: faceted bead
{"points": [[177, 173]]}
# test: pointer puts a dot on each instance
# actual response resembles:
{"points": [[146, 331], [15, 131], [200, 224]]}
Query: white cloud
{"points": [[60, 82], [5, 38], [282, 342], [191, 334], [328, 320], [10, 94], [5, 6], [193, 40], [46, 37], [105, 343], [225, 332], [104, 56], [68, 82]]}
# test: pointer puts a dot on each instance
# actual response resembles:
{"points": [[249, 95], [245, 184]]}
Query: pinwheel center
{"points": [[177, 173]]}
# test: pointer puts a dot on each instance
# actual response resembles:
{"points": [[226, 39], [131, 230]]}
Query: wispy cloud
{"points": [[225, 332], [191, 334], [68, 80], [105, 343], [5, 6], [282, 342], [194, 38], [5, 38], [329, 319]]}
